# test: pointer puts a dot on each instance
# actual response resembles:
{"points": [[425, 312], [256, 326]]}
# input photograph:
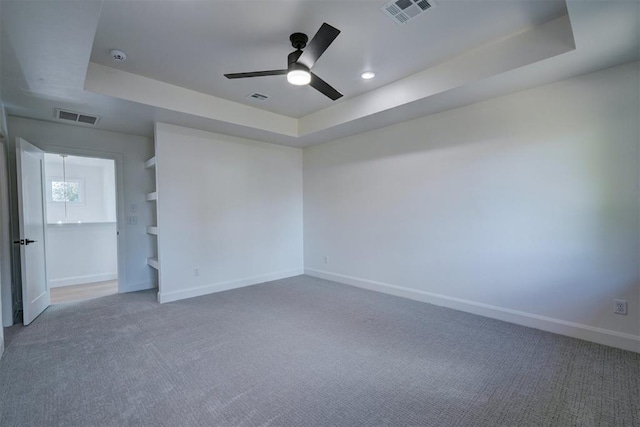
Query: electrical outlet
{"points": [[196, 272], [326, 259], [132, 220], [619, 306]]}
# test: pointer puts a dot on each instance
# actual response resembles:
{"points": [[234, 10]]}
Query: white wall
{"points": [[4, 239], [523, 208], [229, 207], [81, 253], [109, 205], [97, 179], [82, 239], [6, 312], [132, 151]]}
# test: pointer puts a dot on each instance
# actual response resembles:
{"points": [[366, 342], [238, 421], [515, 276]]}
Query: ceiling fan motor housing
{"points": [[292, 61], [298, 40]]}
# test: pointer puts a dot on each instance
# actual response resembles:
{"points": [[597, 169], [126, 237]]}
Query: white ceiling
{"points": [[55, 55], [192, 44]]}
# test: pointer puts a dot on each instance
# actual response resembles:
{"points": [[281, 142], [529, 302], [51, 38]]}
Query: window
{"points": [[65, 191], [61, 191]]}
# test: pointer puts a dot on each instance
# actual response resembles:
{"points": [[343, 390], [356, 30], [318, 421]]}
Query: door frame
{"points": [[120, 206]]}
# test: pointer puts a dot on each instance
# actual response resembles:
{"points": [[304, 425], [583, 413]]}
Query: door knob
{"points": [[18, 242], [27, 241]]}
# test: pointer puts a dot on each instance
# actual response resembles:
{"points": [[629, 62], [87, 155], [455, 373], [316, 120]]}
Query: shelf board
{"points": [[152, 196], [150, 163], [153, 262], [152, 230], [64, 224]]}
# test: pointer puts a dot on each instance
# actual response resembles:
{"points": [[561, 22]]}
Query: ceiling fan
{"points": [[300, 62]]}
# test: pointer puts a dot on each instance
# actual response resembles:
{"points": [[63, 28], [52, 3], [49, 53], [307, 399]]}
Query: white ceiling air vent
{"points": [[402, 11], [258, 96], [71, 116]]}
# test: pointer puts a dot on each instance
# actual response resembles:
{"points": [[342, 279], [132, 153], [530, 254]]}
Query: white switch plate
{"points": [[132, 220], [134, 208]]}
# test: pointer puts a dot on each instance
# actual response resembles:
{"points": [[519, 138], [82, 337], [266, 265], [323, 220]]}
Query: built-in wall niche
{"points": [[79, 189]]}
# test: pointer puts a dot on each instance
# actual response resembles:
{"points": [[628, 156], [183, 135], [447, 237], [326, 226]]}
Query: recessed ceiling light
{"points": [[368, 75], [118, 55]]}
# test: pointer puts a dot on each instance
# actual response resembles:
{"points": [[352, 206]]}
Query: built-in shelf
{"points": [[153, 262], [64, 224], [152, 229]]}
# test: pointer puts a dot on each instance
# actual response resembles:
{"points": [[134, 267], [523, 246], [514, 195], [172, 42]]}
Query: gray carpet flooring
{"points": [[304, 352]]}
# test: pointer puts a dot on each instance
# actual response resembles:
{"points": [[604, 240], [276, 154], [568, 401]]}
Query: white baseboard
{"points": [[558, 326], [164, 297], [1, 346], [80, 280]]}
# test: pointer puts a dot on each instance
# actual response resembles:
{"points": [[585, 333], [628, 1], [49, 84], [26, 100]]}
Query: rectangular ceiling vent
{"points": [[258, 96], [71, 116], [402, 11]]}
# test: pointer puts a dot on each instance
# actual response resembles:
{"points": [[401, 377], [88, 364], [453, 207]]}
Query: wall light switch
{"points": [[133, 208]]}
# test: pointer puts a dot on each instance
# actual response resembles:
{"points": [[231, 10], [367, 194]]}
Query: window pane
{"points": [[57, 191], [65, 191], [73, 192]]}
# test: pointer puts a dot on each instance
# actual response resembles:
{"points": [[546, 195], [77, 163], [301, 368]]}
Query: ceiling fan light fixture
{"points": [[299, 77], [299, 62]]}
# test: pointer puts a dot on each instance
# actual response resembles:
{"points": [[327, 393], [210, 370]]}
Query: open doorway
{"points": [[81, 227]]}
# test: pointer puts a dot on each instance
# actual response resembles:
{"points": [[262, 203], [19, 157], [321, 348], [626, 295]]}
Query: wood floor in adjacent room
{"points": [[83, 292]]}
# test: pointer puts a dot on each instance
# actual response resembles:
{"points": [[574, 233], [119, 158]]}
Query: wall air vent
{"points": [[71, 116], [402, 11], [258, 96]]}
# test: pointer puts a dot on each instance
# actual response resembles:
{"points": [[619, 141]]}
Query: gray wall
{"points": [[133, 150]]}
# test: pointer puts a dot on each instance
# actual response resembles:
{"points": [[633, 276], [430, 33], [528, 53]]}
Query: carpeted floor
{"points": [[304, 352]]}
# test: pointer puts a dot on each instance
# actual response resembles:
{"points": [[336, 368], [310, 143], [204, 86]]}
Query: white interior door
{"points": [[32, 215]]}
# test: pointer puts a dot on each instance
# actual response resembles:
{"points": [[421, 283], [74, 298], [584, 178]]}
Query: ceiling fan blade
{"points": [[323, 87], [318, 44], [256, 74]]}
